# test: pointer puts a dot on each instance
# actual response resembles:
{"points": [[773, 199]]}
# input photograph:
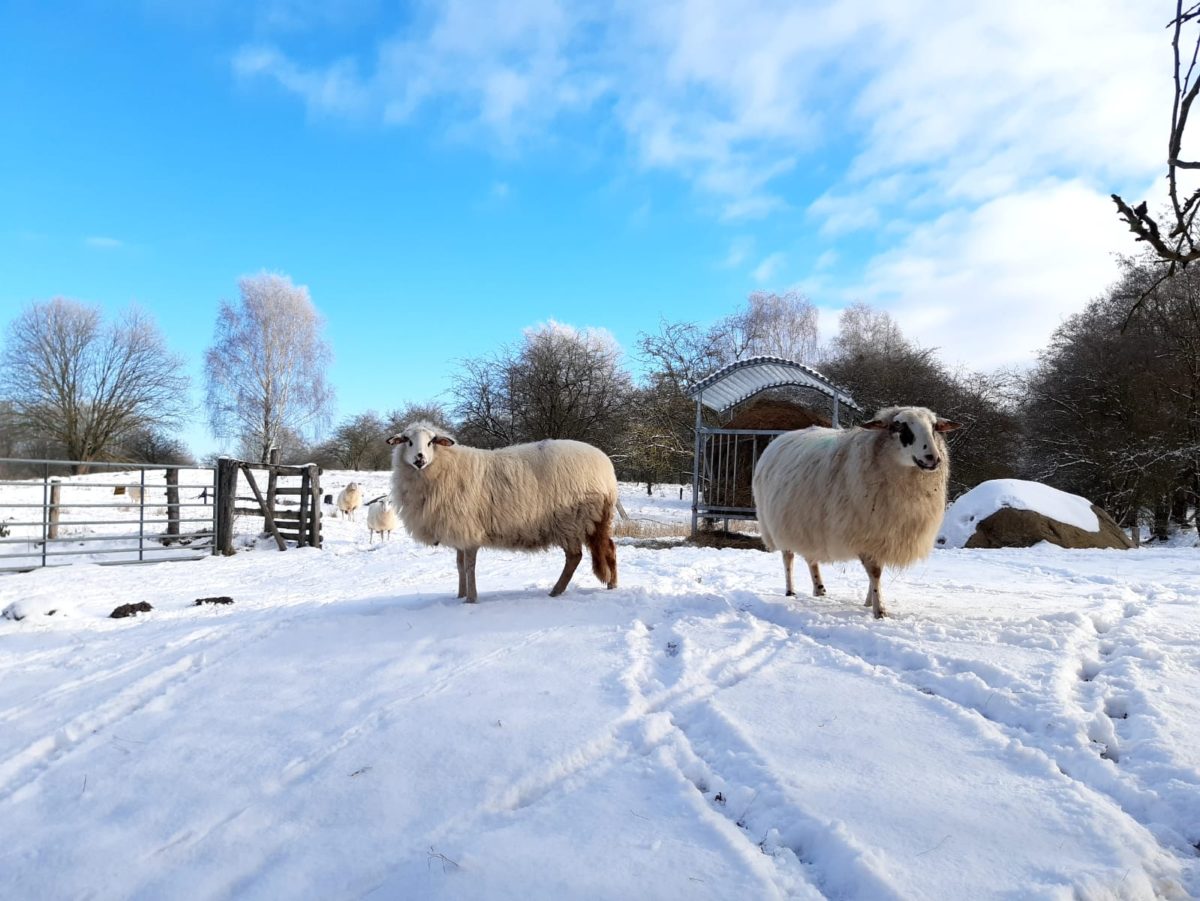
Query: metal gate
{"points": [[725, 463], [116, 513]]}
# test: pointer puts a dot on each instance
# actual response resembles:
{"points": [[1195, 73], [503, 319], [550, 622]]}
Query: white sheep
{"points": [[132, 492], [349, 499], [876, 493], [381, 518], [525, 497]]}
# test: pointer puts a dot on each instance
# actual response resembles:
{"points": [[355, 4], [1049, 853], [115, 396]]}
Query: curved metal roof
{"points": [[740, 381]]}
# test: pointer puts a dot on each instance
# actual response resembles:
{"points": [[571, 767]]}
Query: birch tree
{"points": [[265, 371]]}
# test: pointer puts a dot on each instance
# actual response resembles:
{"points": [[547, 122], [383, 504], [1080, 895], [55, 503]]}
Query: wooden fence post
{"points": [[227, 476], [272, 477], [172, 506], [55, 496], [315, 518]]}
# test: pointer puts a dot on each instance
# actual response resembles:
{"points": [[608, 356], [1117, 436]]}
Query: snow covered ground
{"points": [[1026, 725]]}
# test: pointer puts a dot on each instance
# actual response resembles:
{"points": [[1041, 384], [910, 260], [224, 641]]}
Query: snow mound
{"points": [[958, 525]]}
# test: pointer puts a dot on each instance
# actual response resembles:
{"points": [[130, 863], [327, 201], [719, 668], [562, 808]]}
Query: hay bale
{"points": [[1009, 527]]}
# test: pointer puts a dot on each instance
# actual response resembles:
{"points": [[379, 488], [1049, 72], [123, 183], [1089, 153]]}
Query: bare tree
{"points": [[661, 443], [149, 444], [429, 411], [358, 442], [560, 382], [864, 330], [778, 325], [84, 386], [1114, 414], [1173, 243], [265, 372]]}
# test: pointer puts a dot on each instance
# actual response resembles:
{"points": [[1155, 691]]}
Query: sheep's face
{"points": [[913, 434], [417, 446]]}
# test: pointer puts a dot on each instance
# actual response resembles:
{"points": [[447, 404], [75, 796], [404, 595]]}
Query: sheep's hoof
{"points": [[470, 601], [611, 585], [819, 591], [555, 592], [881, 614], [789, 594]]}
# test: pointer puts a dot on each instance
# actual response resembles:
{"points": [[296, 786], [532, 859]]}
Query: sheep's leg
{"points": [[460, 558], [789, 588], [874, 594], [818, 586], [469, 567], [574, 555]]}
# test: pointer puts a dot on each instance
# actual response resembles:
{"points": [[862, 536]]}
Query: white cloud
{"points": [[101, 242], [769, 268], [826, 260], [989, 286], [333, 90], [740, 249], [954, 104]]}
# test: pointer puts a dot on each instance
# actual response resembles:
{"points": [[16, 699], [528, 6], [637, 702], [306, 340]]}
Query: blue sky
{"points": [[443, 175]]}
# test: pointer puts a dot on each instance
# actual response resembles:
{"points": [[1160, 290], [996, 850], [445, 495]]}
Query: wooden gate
{"points": [[288, 501]]}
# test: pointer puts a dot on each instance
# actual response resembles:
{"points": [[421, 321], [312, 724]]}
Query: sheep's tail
{"points": [[602, 548]]}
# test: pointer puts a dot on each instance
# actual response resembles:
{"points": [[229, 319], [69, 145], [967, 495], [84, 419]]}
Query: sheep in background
{"points": [[132, 492], [876, 493], [381, 518], [133, 495], [349, 499], [525, 497]]}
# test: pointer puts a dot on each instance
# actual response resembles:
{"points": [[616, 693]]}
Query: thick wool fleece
{"points": [[525, 497], [832, 494]]}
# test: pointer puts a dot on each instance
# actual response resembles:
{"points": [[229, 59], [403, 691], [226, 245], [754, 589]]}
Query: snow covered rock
{"points": [[1016, 513]]}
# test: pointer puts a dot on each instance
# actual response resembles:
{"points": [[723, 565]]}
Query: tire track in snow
{"points": [[738, 784], [303, 766], [25, 766], [671, 686], [1018, 712], [67, 689], [636, 729]]}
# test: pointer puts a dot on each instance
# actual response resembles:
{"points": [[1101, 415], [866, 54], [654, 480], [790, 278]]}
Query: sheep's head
{"points": [[914, 434], [417, 445]]}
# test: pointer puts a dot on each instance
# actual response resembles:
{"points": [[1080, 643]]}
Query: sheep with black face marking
{"points": [[553, 493], [876, 493]]}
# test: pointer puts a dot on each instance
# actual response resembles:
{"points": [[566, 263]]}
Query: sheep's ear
{"points": [[398, 439], [946, 425], [443, 441], [874, 424]]}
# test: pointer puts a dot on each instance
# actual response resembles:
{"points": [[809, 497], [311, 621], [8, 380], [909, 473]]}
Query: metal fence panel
{"points": [[724, 472], [115, 513]]}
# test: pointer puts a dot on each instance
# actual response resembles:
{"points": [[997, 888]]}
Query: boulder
{"points": [[1018, 513]]}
